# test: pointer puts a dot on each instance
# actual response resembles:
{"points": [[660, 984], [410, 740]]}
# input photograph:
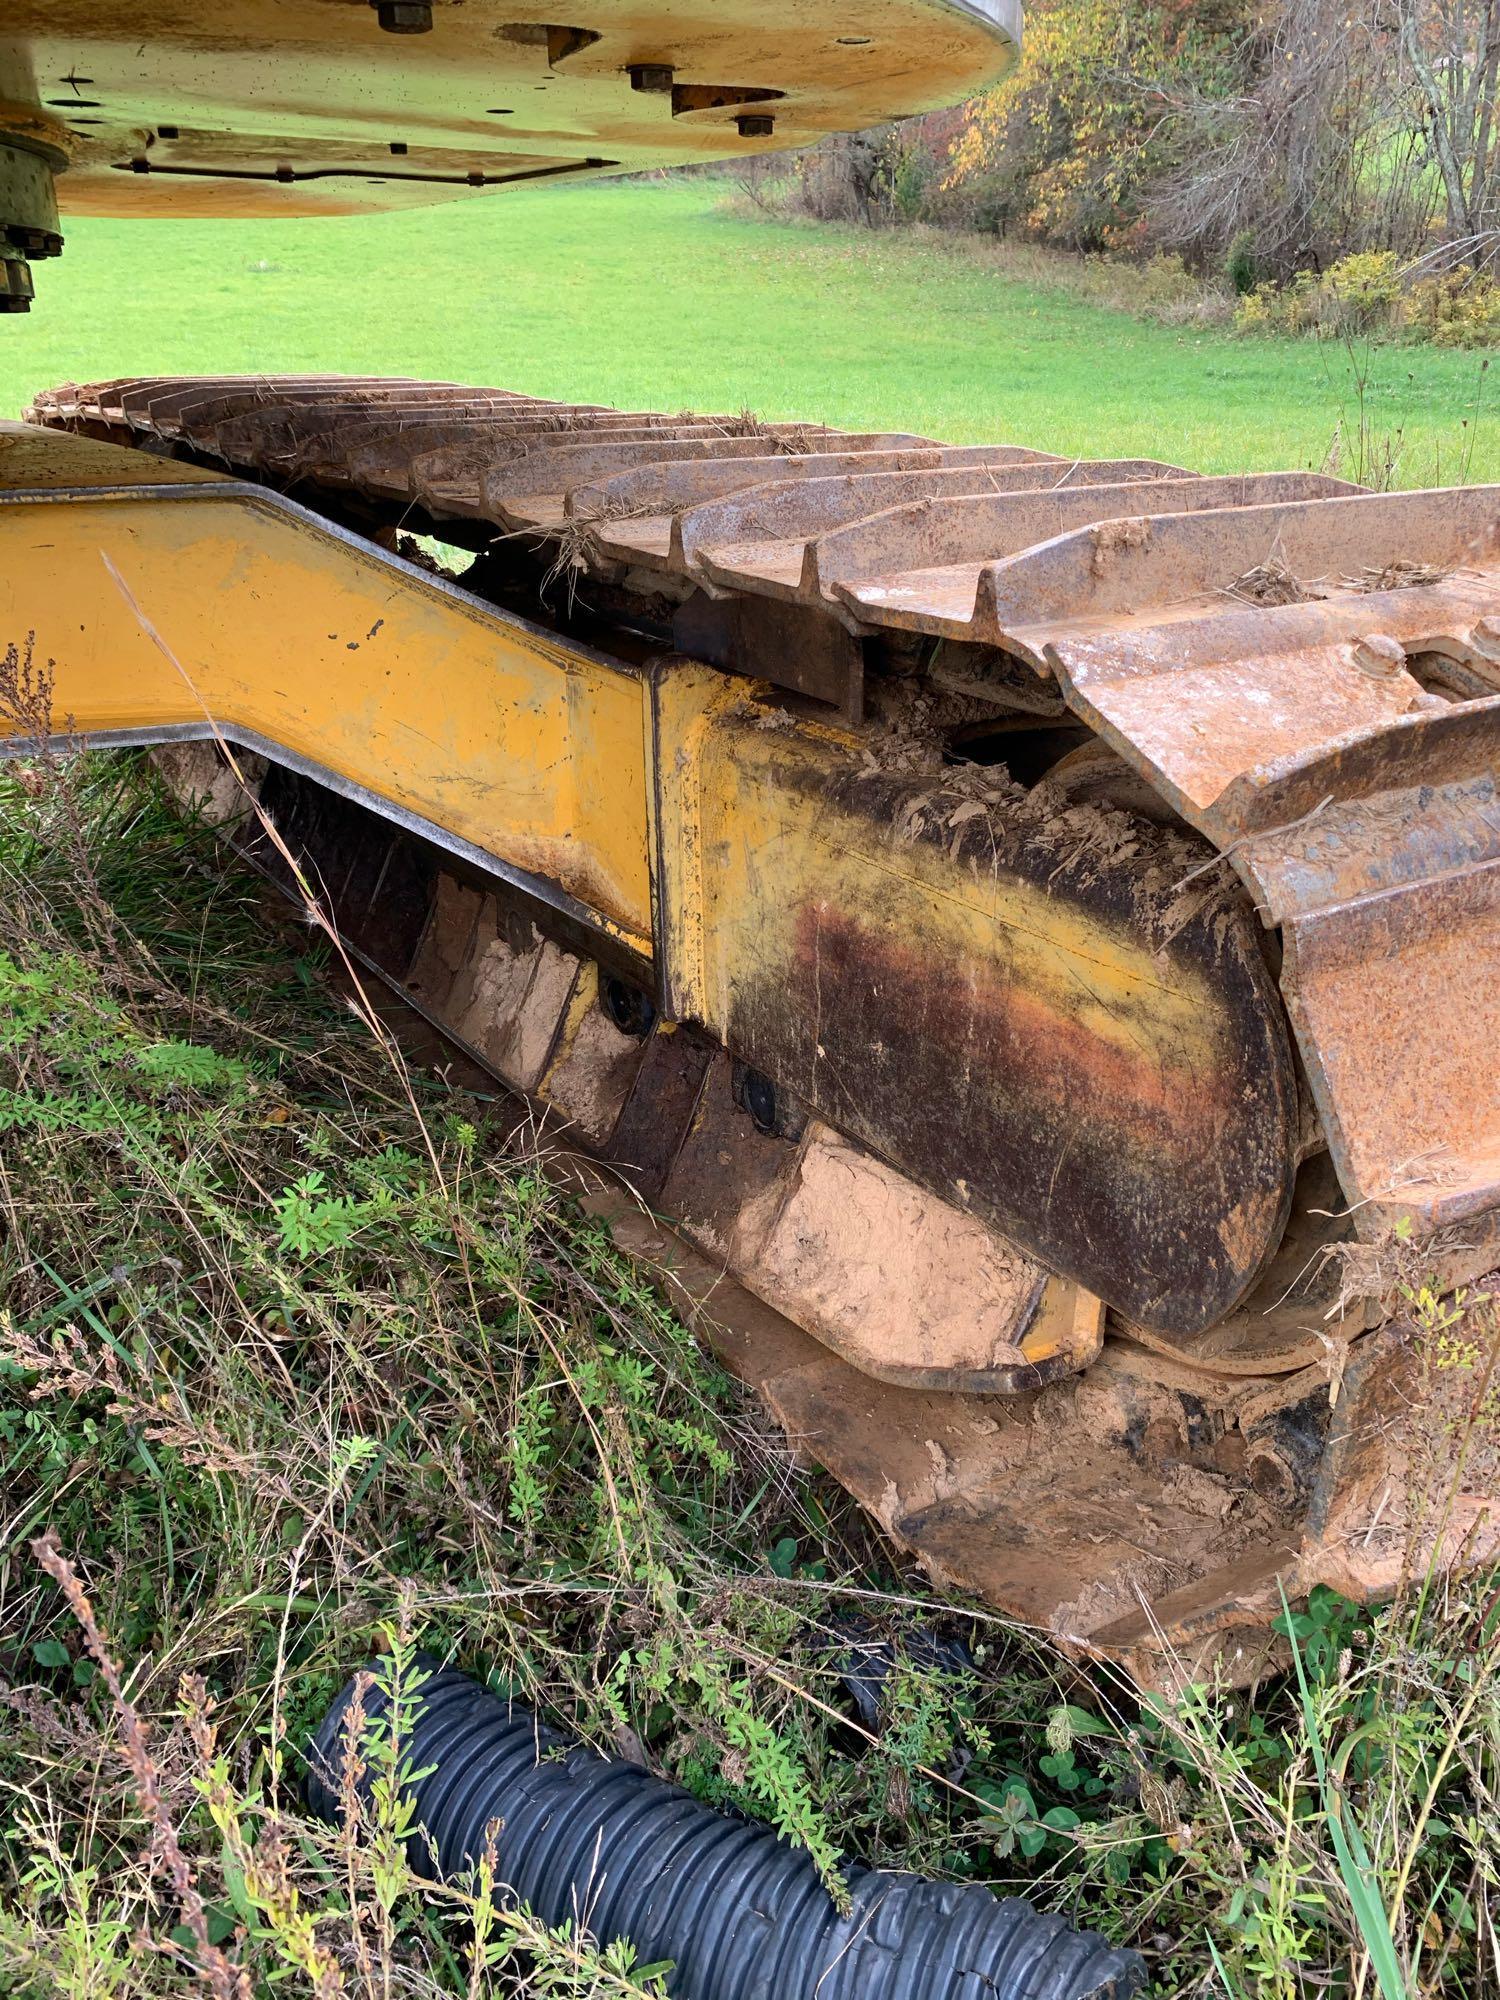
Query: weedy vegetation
{"points": [[304, 1363]]}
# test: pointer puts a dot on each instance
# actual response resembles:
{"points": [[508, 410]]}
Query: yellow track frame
{"points": [[1006, 1037]]}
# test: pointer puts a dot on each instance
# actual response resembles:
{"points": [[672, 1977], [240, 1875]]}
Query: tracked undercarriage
{"points": [[1025, 930]]}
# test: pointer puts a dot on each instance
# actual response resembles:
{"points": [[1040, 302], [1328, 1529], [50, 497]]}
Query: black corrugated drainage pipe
{"points": [[740, 1914]]}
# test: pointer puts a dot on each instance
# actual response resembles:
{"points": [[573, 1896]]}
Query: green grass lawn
{"points": [[650, 296]]}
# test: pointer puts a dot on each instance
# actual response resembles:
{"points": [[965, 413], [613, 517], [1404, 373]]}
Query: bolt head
{"points": [[1378, 656], [755, 125], [759, 1094], [404, 17], [34, 242], [16, 288], [1272, 1478], [631, 1010], [655, 77]]}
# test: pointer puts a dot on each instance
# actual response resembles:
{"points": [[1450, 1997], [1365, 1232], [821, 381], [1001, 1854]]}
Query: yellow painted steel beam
{"points": [[482, 731]]}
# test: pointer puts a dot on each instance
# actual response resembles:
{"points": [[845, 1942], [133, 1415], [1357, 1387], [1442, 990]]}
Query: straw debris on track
{"points": [[1269, 583], [1273, 582]]}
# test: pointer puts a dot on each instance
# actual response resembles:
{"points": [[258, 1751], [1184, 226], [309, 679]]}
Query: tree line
{"points": [[1263, 142]]}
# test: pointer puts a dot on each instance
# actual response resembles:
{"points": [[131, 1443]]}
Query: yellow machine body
{"points": [[340, 107]]}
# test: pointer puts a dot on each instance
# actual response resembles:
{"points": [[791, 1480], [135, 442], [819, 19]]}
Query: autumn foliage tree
{"points": [[1272, 135], [1070, 145]]}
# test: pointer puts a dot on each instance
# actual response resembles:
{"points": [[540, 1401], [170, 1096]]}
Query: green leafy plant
{"points": [[445, 1404]]}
